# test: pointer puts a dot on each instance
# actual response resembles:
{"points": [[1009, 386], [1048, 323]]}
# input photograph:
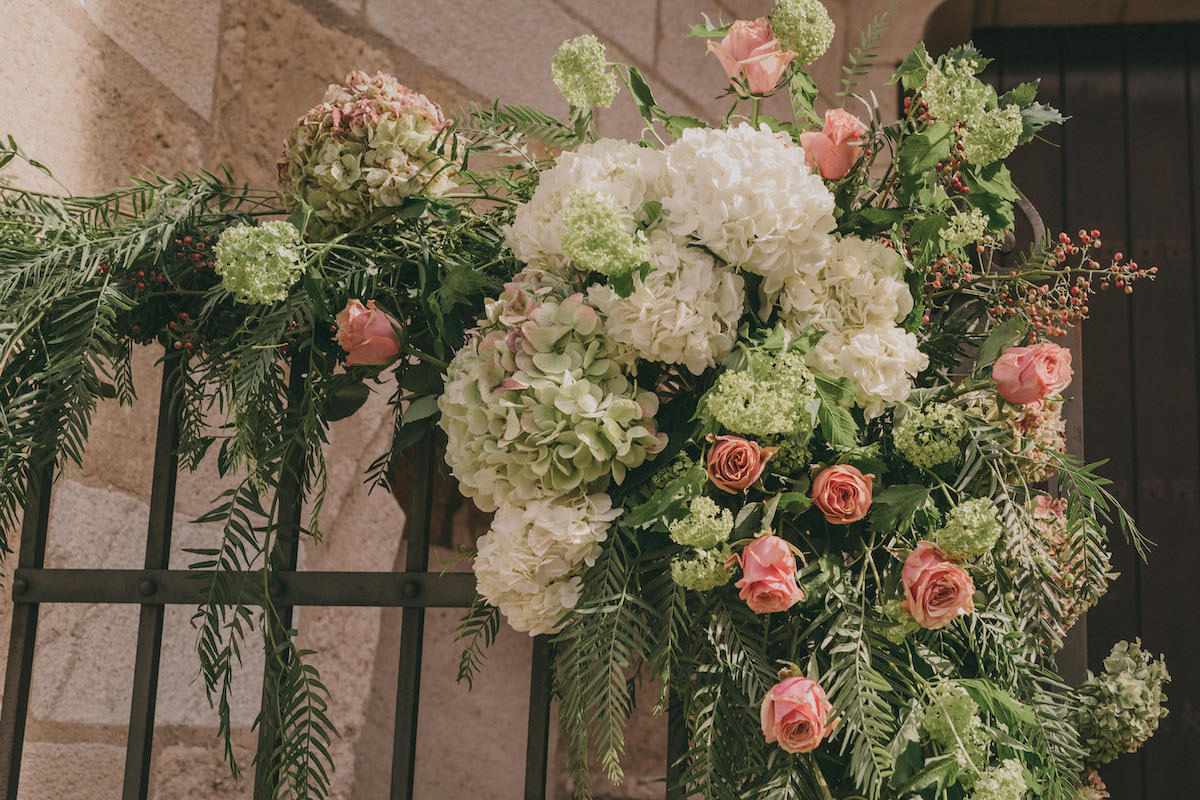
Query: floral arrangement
{"points": [[760, 416]]}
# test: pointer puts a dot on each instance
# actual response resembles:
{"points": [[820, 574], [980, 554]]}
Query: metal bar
{"points": [[289, 499], [21, 642], [158, 552], [156, 587], [537, 739], [676, 746], [412, 624]]}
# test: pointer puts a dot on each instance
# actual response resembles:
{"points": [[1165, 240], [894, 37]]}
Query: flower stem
{"points": [[825, 793], [754, 103]]}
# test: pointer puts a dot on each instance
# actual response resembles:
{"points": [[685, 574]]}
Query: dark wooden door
{"points": [[1128, 163]]}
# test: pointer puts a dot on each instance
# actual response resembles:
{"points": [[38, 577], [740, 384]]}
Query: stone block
{"points": [[175, 40]]}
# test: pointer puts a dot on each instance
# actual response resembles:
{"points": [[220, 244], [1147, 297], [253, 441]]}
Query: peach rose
{"points": [[842, 493], [936, 590], [832, 151], [1026, 374], [768, 581], [367, 334], [795, 713], [750, 48], [734, 463]]}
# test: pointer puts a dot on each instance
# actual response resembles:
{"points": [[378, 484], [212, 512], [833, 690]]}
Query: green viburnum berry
{"points": [[1118, 710], [703, 572], [950, 716], [705, 526], [931, 436], [768, 397], [954, 94], [258, 264], [904, 625], [580, 71], [992, 136], [793, 456], [964, 228], [804, 27], [598, 236], [972, 528], [677, 467], [1005, 782]]}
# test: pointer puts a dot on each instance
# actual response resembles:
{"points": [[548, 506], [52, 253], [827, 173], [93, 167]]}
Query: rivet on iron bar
{"points": [[411, 589], [20, 586], [147, 587]]}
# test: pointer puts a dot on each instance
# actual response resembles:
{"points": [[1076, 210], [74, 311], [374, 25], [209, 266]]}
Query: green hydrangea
{"points": [[931, 436], [964, 229], [704, 571], [972, 528], [545, 413], [992, 136], [1118, 710], [258, 264], [768, 397], [705, 526], [804, 27], [597, 235], [1005, 782], [950, 716], [580, 71], [954, 94]]}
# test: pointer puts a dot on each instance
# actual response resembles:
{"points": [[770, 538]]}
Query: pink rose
{"points": [[750, 48], [795, 713], [936, 590], [768, 581], [1026, 374], [842, 493], [367, 334], [832, 150], [734, 463]]}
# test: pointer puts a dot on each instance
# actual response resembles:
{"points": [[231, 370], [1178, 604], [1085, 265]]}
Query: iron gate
{"points": [[156, 586]]}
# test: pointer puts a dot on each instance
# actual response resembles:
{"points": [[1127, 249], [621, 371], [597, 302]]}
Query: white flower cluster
{"points": [[859, 297], [528, 563]]}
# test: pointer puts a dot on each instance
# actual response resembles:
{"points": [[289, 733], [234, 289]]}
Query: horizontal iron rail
{"points": [[298, 588]]}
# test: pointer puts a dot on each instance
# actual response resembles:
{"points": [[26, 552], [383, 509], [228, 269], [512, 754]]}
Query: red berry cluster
{"points": [[194, 249], [1051, 296]]}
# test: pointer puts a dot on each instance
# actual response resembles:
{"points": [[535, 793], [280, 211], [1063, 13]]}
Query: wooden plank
{"points": [[1164, 409]]}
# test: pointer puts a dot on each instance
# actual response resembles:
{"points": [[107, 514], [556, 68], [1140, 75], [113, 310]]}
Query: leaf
{"points": [[1002, 336], [836, 423], [420, 408], [992, 193], [1036, 117], [346, 400], [624, 284], [676, 124], [642, 96], [913, 69], [795, 502], [300, 216], [1021, 95], [803, 91], [708, 29], [893, 508], [939, 771], [921, 152], [997, 701]]}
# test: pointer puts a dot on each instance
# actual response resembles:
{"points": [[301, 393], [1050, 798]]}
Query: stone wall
{"points": [[101, 89]]}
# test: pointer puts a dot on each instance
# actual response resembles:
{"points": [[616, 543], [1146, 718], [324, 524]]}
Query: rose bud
{"points": [[768, 582], [367, 334], [795, 714], [831, 151], [1027, 374], [936, 590], [735, 463], [842, 493]]}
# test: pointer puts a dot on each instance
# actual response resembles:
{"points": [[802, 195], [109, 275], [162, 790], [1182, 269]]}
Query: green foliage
{"points": [[862, 57]]}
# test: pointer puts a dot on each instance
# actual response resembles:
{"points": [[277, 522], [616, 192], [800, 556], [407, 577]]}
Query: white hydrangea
{"points": [[881, 361], [529, 562], [684, 312], [861, 285], [749, 196], [621, 172]]}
